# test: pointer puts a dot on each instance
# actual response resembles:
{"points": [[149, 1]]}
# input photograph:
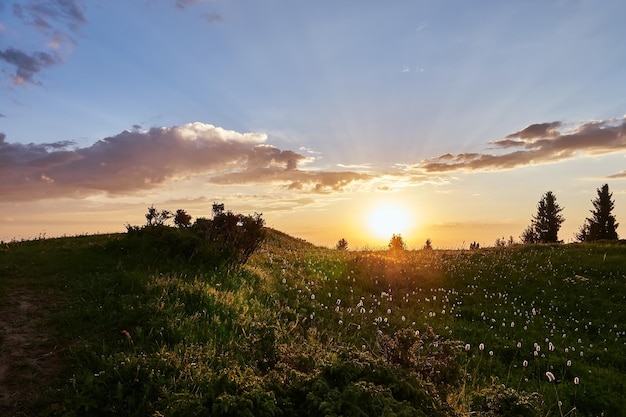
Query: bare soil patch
{"points": [[30, 358]]}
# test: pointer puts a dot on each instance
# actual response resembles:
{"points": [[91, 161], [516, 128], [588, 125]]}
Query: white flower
{"points": [[481, 346], [550, 376], [576, 380]]}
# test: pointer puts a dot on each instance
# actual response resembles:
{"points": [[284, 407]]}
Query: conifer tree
{"points": [[546, 223], [602, 224]]}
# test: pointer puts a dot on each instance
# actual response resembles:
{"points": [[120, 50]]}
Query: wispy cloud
{"points": [[138, 161], [57, 21], [538, 144]]}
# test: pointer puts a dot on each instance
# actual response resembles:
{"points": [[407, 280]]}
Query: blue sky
{"points": [[464, 113]]}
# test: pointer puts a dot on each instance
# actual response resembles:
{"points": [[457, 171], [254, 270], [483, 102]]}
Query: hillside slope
{"points": [[303, 330]]}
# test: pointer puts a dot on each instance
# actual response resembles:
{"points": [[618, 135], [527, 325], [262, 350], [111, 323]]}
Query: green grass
{"points": [[303, 330]]}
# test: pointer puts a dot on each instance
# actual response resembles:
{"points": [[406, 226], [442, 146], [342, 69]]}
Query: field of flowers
{"points": [[301, 330]]}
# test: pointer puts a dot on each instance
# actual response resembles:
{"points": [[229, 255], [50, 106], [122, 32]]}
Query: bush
{"points": [[227, 240]]}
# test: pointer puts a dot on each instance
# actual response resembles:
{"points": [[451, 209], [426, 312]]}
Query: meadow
{"points": [[528, 330]]}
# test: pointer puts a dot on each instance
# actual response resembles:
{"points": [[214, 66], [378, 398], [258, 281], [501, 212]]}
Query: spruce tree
{"points": [[547, 222], [602, 224]]}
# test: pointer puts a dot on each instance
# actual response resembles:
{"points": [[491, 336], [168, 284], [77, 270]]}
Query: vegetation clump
{"points": [[226, 240]]}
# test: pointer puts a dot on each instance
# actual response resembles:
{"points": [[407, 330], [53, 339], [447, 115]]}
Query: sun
{"points": [[385, 221]]}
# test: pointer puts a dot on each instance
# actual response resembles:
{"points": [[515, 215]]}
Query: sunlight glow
{"points": [[384, 221]]}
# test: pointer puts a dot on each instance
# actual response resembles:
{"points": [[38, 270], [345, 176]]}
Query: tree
{"points": [[182, 219], [157, 218], [546, 223], [234, 236], [396, 243], [342, 244], [529, 236], [602, 224]]}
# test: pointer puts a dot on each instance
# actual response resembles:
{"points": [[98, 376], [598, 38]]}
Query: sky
{"points": [[436, 119]]}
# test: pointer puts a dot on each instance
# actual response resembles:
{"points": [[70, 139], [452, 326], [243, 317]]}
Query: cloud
{"points": [[538, 144], [321, 182], [57, 21], [619, 175], [137, 161], [47, 14], [26, 66]]}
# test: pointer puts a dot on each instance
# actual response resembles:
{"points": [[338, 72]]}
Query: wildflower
{"points": [[519, 345], [525, 363], [468, 347], [491, 353], [481, 346], [312, 296], [550, 347], [576, 380], [569, 362], [550, 376]]}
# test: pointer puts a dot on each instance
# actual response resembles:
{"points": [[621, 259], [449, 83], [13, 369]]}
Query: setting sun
{"points": [[384, 221]]}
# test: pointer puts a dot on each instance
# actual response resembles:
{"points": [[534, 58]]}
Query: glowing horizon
{"points": [[461, 121]]}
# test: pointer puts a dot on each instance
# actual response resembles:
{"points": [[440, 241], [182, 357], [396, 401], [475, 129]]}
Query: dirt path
{"points": [[29, 357]]}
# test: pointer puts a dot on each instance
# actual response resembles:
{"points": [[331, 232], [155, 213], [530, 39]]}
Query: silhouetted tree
{"points": [[157, 218], [529, 236], [428, 245], [474, 245], [602, 224], [546, 223], [397, 243], [342, 244], [235, 236], [182, 219]]}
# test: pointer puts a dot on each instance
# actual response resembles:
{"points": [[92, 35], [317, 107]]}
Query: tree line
{"points": [[545, 224]]}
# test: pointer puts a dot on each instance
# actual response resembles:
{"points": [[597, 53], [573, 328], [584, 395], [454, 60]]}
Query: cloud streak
{"points": [[132, 162], [538, 144]]}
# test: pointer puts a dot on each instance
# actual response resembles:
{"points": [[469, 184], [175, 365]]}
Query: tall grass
{"points": [[303, 330]]}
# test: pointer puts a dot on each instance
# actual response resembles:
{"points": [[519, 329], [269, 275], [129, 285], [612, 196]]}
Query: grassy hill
{"points": [[92, 326]]}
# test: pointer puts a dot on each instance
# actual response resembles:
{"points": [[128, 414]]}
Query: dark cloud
{"points": [[537, 130], [25, 65], [139, 161], [538, 144], [57, 21]]}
